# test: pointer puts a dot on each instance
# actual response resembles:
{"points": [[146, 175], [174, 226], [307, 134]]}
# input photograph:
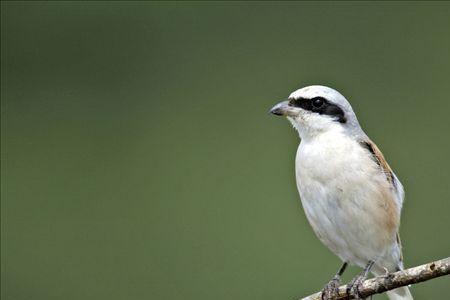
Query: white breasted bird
{"points": [[350, 195]]}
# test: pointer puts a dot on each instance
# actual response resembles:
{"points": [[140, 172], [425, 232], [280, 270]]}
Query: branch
{"points": [[392, 281]]}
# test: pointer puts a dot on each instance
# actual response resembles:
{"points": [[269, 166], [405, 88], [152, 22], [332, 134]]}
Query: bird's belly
{"points": [[344, 206], [343, 228]]}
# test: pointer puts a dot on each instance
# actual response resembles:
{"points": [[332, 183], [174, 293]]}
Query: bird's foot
{"points": [[387, 275], [331, 289], [354, 286]]}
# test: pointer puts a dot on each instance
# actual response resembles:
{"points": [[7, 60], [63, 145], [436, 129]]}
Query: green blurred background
{"points": [[139, 161]]}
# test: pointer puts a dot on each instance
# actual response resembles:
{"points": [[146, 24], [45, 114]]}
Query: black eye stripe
{"points": [[327, 108]]}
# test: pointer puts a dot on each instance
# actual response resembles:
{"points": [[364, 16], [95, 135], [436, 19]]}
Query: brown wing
{"points": [[380, 160]]}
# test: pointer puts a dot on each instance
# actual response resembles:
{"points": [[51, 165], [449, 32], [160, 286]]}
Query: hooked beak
{"points": [[281, 109]]}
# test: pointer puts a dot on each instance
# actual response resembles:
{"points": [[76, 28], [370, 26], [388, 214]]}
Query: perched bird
{"points": [[350, 195]]}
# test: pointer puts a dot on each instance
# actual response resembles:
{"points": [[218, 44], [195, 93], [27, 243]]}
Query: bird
{"points": [[350, 195]]}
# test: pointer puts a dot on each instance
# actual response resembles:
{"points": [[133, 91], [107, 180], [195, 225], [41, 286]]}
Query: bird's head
{"points": [[316, 109]]}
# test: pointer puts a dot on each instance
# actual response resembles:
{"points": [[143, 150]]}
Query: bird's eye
{"points": [[317, 102]]}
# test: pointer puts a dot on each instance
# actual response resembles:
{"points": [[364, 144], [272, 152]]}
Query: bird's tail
{"points": [[401, 293]]}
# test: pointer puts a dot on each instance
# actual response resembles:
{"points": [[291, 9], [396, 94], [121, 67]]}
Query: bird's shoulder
{"points": [[382, 163], [379, 158]]}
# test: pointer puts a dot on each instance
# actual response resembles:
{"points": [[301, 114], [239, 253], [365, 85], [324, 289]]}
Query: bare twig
{"points": [[392, 281]]}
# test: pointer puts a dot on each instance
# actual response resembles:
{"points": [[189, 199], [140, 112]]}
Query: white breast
{"points": [[345, 197]]}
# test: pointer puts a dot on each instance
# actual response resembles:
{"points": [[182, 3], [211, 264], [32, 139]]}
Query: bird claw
{"points": [[355, 285], [331, 289]]}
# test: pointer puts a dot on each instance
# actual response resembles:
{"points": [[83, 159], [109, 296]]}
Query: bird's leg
{"points": [[356, 283], [331, 290]]}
